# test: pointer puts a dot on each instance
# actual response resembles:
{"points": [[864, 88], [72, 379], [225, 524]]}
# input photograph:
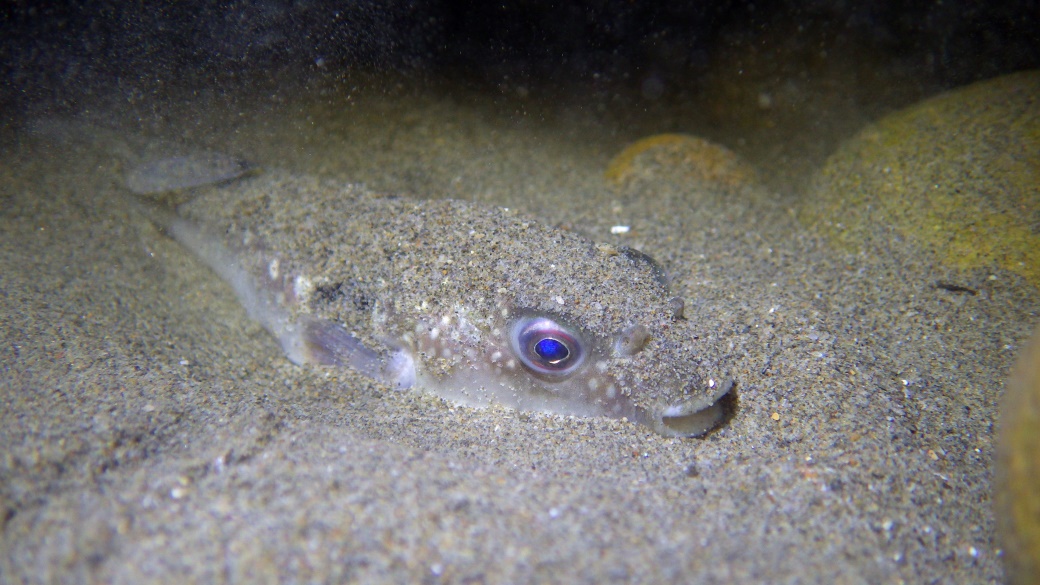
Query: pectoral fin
{"points": [[325, 343], [328, 344]]}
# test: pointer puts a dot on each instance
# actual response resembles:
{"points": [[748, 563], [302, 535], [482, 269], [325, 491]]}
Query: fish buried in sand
{"points": [[479, 306]]}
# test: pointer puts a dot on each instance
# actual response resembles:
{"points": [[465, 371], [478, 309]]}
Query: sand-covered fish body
{"points": [[477, 305]]}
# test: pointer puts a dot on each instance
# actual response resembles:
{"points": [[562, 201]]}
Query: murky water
{"points": [[147, 412]]}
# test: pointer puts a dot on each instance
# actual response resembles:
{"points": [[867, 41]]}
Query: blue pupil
{"points": [[551, 350]]}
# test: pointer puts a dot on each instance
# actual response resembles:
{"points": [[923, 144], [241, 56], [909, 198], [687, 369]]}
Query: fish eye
{"points": [[546, 347]]}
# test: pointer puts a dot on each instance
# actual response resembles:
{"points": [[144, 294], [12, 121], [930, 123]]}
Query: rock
{"points": [[957, 175], [1016, 490], [691, 159]]}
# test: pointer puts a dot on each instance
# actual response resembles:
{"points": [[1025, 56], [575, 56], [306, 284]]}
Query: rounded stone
{"points": [[1016, 495], [957, 175], [693, 160]]}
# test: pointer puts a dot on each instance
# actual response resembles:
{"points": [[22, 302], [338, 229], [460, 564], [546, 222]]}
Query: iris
{"points": [[552, 350]]}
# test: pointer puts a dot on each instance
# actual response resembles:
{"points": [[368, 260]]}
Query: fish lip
{"points": [[691, 418]]}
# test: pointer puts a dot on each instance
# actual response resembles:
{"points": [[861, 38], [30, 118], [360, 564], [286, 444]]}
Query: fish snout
{"points": [[693, 416]]}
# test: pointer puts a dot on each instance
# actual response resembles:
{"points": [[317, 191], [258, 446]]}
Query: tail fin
{"points": [[307, 339]]}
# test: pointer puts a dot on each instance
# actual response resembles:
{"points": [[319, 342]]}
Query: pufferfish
{"points": [[476, 305]]}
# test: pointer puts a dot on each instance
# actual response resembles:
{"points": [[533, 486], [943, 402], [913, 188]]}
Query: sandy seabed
{"points": [[151, 433]]}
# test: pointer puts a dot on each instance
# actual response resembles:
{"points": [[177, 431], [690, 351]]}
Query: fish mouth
{"points": [[692, 418]]}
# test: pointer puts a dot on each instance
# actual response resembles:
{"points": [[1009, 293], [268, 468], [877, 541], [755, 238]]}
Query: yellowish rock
{"points": [[958, 175], [692, 159], [1017, 479]]}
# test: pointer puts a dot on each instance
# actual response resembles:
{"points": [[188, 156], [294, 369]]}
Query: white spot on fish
{"points": [[302, 287]]}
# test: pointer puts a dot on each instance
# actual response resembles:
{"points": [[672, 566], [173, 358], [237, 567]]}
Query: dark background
{"points": [[60, 54]]}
